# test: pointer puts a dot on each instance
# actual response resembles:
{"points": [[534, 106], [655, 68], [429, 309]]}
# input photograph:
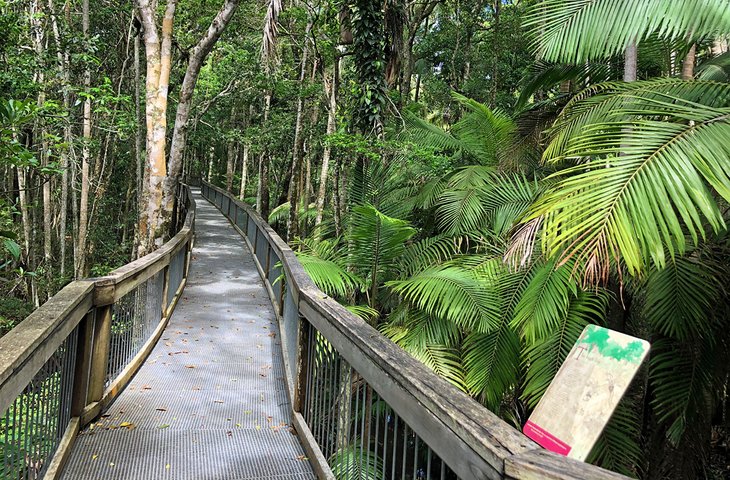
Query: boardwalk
{"points": [[210, 402]]}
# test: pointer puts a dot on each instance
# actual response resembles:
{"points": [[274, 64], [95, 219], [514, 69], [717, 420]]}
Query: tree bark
{"points": [[231, 153], [158, 53], [80, 261], [331, 92], [179, 136], [244, 172], [63, 66], [688, 66], [630, 59], [292, 223]]}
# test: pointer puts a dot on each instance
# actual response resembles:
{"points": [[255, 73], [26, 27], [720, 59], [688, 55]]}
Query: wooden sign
{"points": [[586, 390]]}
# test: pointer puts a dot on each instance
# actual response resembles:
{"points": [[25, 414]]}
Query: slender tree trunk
{"points": [[211, 156], [179, 136], [38, 34], [331, 92], [292, 223], [231, 153], [244, 171], [630, 59], [62, 56], [262, 190], [80, 263], [138, 136], [688, 66]]}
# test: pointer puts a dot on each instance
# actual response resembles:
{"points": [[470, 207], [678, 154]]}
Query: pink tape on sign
{"points": [[545, 439]]}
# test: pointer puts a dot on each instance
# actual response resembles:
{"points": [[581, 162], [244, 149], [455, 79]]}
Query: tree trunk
{"points": [[331, 92], [688, 66], [158, 53], [211, 156], [292, 223], [630, 59], [36, 10], [244, 171], [179, 136], [231, 153], [80, 263], [138, 150], [62, 56], [262, 190]]}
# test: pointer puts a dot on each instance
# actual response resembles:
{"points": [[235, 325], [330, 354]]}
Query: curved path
{"points": [[210, 402]]}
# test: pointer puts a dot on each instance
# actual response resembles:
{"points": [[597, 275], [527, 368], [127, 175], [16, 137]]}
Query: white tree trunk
{"points": [[331, 92], [244, 171], [80, 260]]}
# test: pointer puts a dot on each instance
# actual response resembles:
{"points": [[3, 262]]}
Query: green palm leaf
{"points": [[566, 30], [453, 293], [593, 105], [544, 356], [680, 298], [377, 243], [491, 361], [331, 277], [642, 188]]}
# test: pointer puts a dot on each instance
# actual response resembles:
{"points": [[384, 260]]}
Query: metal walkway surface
{"points": [[210, 402]]}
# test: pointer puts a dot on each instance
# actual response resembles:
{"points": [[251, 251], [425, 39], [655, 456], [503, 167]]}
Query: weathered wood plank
{"points": [[543, 465], [27, 347]]}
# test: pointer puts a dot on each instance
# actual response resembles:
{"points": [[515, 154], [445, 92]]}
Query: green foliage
{"points": [[565, 31], [652, 150]]}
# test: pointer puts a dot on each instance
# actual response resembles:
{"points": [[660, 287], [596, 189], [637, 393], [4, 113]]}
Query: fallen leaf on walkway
{"points": [[127, 425], [163, 426], [161, 409], [248, 412], [146, 387], [167, 467], [189, 366], [217, 401], [95, 456], [302, 457]]}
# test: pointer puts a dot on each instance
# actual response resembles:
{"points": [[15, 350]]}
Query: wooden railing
{"points": [[362, 406], [69, 359]]}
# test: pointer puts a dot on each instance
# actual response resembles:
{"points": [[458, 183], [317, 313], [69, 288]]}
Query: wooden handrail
{"points": [[472, 440], [86, 305]]}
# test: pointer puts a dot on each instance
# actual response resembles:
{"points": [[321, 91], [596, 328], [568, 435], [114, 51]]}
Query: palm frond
{"points": [[377, 242], [546, 75], [545, 302], [679, 299], [685, 382], [598, 102], [643, 187], [716, 69], [354, 463], [453, 293], [331, 277], [544, 356], [576, 31], [427, 252], [491, 361]]}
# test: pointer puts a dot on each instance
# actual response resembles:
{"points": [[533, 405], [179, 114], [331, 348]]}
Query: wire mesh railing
{"points": [[67, 361], [357, 431], [363, 407], [34, 424], [134, 318]]}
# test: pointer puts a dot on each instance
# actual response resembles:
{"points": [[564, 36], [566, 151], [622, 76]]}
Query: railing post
{"points": [[84, 352], [267, 269], [100, 354], [302, 364], [165, 288]]}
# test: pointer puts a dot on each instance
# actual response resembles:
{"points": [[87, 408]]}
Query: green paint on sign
{"points": [[595, 336]]}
